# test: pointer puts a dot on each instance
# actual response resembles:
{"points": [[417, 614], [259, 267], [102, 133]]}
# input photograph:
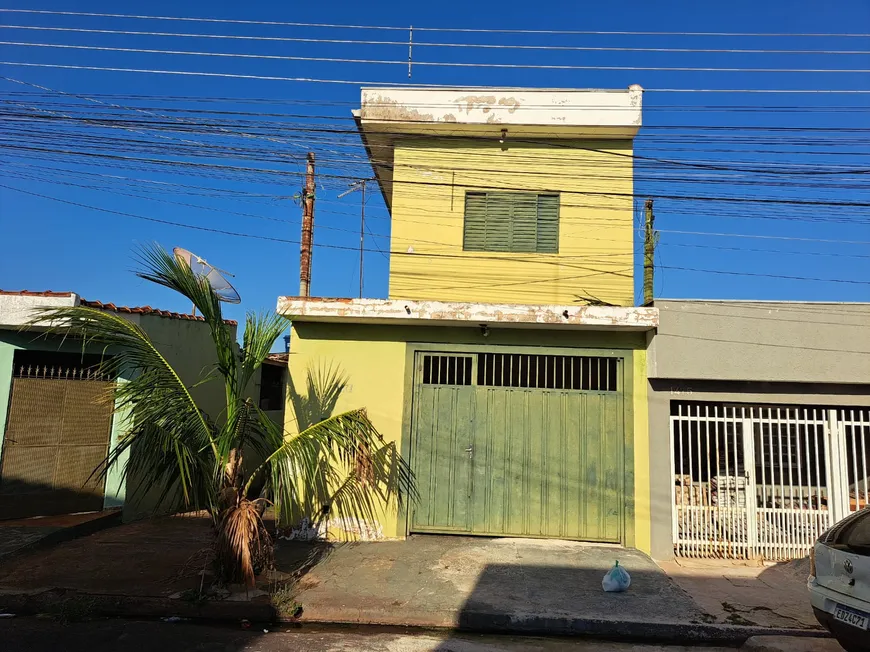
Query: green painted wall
{"points": [[378, 363], [7, 352], [116, 486], [188, 347]]}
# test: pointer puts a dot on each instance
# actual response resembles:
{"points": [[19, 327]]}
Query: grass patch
{"points": [[283, 599]]}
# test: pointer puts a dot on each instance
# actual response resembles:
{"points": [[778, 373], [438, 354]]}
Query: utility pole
{"points": [[650, 238], [361, 186], [307, 229]]}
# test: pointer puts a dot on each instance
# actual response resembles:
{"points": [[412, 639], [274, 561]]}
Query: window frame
{"points": [[546, 243]]}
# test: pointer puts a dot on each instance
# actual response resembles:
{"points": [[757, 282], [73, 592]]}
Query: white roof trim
{"points": [[17, 310], [454, 313]]}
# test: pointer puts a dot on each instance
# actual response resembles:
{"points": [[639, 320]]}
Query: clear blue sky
{"points": [[49, 245]]}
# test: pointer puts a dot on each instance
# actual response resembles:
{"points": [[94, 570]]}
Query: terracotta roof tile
{"points": [[138, 310], [147, 310]]}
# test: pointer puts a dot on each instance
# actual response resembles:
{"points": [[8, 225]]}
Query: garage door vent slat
{"points": [[534, 371], [447, 369]]}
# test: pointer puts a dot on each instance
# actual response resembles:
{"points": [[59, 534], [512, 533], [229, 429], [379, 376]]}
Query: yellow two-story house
{"points": [[509, 361]]}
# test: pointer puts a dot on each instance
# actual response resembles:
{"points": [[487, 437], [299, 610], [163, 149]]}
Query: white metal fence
{"points": [[763, 481]]}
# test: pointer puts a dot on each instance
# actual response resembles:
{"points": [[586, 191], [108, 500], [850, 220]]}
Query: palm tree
{"points": [[338, 465]]}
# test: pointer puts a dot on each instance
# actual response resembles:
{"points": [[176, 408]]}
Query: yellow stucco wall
{"points": [[375, 373], [595, 255], [374, 361], [642, 507]]}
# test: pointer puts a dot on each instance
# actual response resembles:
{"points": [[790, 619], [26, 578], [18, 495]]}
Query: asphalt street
{"points": [[35, 635]]}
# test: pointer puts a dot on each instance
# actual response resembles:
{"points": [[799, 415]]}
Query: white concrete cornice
{"points": [[562, 112], [453, 313], [18, 309]]}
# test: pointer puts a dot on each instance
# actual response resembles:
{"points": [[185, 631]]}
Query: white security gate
{"points": [[762, 481]]}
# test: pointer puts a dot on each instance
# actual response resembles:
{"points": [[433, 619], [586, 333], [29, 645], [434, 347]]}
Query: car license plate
{"points": [[854, 618]]}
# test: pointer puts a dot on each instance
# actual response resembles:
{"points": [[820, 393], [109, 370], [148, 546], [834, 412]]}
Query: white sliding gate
{"points": [[763, 481]]}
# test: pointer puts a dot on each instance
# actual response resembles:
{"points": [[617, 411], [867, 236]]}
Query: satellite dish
{"points": [[215, 277]]}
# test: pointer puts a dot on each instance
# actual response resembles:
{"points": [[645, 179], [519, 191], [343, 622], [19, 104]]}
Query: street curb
{"points": [[101, 605], [124, 606], [678, 633]]}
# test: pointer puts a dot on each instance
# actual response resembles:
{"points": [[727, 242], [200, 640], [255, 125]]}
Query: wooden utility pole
{"points": [[649, 247], [307, 229]]}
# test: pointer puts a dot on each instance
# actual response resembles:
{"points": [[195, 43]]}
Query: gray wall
{"points": [[748, 352], [764, 341]]}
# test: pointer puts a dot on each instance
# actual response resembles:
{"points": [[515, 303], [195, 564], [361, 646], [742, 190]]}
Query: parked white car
{"points": [[839, 581]]}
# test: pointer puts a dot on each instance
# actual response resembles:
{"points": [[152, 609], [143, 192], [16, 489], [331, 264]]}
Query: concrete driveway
{"points": [[440, 581]]}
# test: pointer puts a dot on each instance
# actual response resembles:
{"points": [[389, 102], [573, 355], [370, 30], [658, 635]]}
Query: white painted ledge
{"points": [[454, 313], [17, 309]]}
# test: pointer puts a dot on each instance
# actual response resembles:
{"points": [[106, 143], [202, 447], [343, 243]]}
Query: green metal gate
{"points": [[520, 444]]}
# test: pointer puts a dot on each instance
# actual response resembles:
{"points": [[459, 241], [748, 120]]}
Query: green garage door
{"points": [[519, 444]]}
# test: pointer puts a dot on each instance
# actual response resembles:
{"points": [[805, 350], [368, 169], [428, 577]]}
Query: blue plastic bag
{"points": [[616, 579]]}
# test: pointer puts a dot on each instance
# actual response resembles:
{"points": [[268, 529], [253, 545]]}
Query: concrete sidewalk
{"points": [[157, 568], [510, 586], [442, 581], [26, 534], [744, 593]]}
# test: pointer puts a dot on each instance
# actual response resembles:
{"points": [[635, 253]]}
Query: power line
{"points": [[348, 118], [284, 173], [438, 64], [420, 254], [246, 196], [236, 168], [115, 122], [159, 221], [404, 44], [425, 29], [226, 75], [339, 103], [791, 278], [355, 249]]}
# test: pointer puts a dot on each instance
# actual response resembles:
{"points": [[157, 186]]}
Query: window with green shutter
{"points": [[511, 221]]}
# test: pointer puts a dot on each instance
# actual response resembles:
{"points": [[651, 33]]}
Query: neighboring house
{"points": [[759, 425], [56, 411], [509, 361], [272, 381]]}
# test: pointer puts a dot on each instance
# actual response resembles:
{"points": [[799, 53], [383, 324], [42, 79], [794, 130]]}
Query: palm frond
{"points": [[161, 267], [160, 462], [261, 331], [241, 539], [341, 464], [337, 465]]}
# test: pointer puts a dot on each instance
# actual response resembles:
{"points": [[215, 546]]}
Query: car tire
{"points": [[851, 646]]}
